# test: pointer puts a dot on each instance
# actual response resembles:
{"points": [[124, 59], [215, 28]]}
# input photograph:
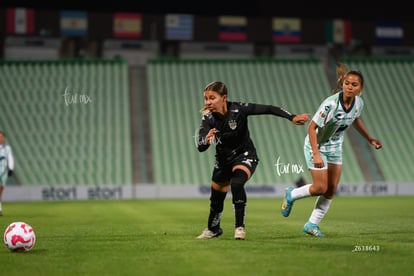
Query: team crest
{"points": [[232, 124]]}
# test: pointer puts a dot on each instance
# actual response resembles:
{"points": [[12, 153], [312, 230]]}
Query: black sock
{"points": [[239, 196], [216, 209]]}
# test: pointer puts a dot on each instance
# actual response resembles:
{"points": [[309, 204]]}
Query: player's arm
{"points": [[360, 127], [206, 135], [259, 109], [313, 140]]}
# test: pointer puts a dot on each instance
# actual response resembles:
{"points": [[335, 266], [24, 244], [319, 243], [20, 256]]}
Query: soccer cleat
{"points": [[208, 234], [312, 229], [287, 203], [240, 233]]}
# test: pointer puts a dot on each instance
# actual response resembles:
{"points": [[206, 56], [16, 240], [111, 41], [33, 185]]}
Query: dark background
{"points": [[313, 15], [371, 10]]}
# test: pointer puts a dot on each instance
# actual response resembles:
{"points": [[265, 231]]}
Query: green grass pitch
{"points": [[365, 236]]}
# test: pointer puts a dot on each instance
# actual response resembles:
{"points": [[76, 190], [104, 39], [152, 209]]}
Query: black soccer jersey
{"points": [[232, 137]]}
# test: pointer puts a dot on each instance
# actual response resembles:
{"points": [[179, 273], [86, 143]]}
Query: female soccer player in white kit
{"points": [[323, 146], [6, 164]]}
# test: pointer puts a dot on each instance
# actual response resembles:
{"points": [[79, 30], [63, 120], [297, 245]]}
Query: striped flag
{"points": [[179, 27], [389, 33], [232, 28], [127, 25], [286, 30], [20, 21], [338, 31], [73, 23]]}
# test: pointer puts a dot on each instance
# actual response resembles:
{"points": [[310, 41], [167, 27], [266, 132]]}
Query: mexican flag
{"points": [[338, 31]]}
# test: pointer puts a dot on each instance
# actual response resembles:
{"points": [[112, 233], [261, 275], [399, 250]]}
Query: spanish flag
{"points": [[127, 25]]}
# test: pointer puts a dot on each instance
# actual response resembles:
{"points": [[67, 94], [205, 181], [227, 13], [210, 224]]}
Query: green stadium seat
{"points": [[57, 143], [175, 89]]}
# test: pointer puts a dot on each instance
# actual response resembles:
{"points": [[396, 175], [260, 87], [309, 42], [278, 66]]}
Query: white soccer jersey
{"points": [[333, 120], [6, 159]]}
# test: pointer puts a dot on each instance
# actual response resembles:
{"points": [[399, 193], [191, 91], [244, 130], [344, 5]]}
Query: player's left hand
{"points": [[376, 143], [301, 119]]}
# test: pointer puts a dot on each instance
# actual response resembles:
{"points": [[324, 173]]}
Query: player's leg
{"points": [[319, 183], [242, 171], [239, 200], [217, 197], [1, 196], [220, 185], [323, 201], [3, 181], [334, 174]]}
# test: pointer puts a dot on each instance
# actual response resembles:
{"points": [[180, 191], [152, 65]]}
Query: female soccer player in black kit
{"points": [[224, 124]]}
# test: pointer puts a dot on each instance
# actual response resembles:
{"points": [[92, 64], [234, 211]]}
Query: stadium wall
{"points": [[149, 191]]}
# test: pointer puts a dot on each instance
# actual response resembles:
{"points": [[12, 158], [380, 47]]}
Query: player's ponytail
{"points": [[204, 110], [341, 72]]}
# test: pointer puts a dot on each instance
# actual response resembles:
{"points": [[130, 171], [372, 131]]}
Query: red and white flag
{"points": [[20, 21], [127, 25]]}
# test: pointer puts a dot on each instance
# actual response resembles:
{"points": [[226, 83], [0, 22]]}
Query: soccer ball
{"points": [[19, 236]]}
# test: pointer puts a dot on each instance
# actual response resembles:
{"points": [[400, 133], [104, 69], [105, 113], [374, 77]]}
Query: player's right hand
{"points": [[211, 135]]}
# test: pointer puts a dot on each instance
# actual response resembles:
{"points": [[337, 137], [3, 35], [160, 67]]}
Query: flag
{"points": [[389, 33], [179, 27], [73, 23], [286, 30], [232, 28], [127, 25], [20, 21], [338, 31]]}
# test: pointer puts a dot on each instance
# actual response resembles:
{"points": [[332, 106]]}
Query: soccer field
{"points": [[365, 236]]}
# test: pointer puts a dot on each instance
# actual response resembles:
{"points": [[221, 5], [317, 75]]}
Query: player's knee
{"points": [[217, 200], [237, 187], [238, 179], [330, 192], [318, 189]]}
